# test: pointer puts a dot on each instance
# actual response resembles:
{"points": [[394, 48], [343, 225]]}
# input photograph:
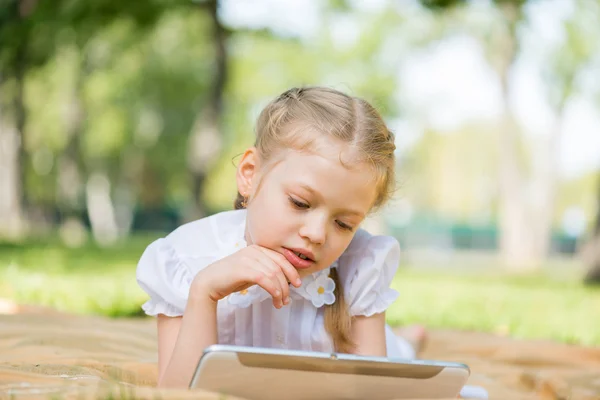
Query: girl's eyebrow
{"points": [[354, 212], [343, 211], [308, 188]]}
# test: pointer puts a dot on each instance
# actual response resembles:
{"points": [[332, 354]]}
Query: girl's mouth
{"points": [[297, 259]]}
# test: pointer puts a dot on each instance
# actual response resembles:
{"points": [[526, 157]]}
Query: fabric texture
{"points": [[366, 269]]}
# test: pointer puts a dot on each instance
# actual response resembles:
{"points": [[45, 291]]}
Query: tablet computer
{"points": [[269, 374]]}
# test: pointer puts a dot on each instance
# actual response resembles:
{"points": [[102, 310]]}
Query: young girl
{"points": [[290, 268]]}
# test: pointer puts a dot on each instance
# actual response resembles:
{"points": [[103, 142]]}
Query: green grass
{"points": [[85, 280], [94, 280], [531, 307]]}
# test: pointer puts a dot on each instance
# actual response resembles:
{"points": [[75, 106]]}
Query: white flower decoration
{"points": [[243, 298], [321, 290]]}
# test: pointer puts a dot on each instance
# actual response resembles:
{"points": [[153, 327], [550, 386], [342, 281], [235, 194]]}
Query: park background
{"points": [[120, 121]]}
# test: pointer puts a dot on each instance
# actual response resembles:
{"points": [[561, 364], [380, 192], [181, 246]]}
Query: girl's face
{"points": [[308, 205]]}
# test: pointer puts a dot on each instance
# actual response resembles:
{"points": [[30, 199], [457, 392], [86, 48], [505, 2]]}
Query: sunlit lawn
{"points": [[102, 281], [525, 307], [83, 280]]}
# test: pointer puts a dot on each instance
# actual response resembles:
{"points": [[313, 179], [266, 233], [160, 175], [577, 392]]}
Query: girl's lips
{"points": [[296, 261]]}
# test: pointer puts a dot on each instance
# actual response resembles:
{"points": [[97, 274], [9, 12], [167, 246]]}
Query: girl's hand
{"points": [[253, 265]]}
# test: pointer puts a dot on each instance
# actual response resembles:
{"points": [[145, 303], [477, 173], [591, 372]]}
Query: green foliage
{"points": [[262, 67], [92, 280], [445, 5], [454, 174], [529, 307], [23, 37], [578, 193], [37, 28], [141, 92], [573, 56], [441, 5], [142, 72], [86, 280]]}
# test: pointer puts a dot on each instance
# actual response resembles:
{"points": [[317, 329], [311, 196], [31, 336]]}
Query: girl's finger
{"points": [[288, 269], [257, 276], [283, 282], [271, 272]]}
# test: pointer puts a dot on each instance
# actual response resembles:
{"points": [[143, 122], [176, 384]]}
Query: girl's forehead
{"points": [[331, 149], [326, 156], [329, 174]]}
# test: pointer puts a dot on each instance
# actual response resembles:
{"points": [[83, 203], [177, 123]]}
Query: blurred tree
{"points": [[143, 100], [15, 59], [88, 24], [564, 68], [264, 64], [167, 83], [30, 33], [593, 249], [525, 221], [206, 136], [48, 32], [502, 45], [455, 181]]}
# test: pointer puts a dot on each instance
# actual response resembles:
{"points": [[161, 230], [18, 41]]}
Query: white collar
{"points": [[317, 287]]}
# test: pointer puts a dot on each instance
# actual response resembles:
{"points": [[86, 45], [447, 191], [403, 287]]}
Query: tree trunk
{"points": [[101, 209], [544, 200], [20, 120], [71, 171], [593, 274], [205, 139], [516, 238], [20, 66], [546, 180], [11, 226], [13, 156], [124, 205], [515, 242]]}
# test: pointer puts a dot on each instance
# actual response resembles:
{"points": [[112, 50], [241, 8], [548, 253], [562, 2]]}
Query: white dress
{"points": [[366, 269]]}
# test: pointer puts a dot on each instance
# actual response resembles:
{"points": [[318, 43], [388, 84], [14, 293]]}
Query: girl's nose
{"points": [[315, 230]]}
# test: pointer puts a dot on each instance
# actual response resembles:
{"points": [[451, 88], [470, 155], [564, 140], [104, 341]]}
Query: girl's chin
{"points": [[306, 272], [303, 273]]}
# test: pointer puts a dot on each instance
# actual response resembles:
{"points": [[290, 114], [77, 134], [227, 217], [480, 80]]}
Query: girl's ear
{"points": [[246, 171]]}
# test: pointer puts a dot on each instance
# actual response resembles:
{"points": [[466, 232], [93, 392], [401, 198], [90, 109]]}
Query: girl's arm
{"points": [[181, 340], [368, 333]]}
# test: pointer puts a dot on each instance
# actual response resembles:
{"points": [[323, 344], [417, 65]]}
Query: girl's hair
{"points": [[298, 119]]}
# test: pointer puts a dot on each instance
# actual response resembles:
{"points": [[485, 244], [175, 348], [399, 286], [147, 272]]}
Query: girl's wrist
{"points": [[200, 294]]}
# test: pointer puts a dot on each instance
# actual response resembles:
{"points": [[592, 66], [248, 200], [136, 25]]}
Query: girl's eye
{"points": [[344, 226], [298, 204]]}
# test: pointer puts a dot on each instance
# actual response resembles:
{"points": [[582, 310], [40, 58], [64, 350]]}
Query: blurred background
{"points": [[120, 121]]}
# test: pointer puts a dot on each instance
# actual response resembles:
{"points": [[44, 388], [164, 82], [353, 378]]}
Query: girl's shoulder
{"points": [[168, 265], [207, 234], [366, 244], [366, 270]]}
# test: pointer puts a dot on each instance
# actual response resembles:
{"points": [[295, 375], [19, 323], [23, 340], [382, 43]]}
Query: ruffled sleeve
{"points": [[165, 278], [366, 271]]}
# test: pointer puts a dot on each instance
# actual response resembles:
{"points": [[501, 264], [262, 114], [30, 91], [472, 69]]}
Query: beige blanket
{"points": [[50, 355]]}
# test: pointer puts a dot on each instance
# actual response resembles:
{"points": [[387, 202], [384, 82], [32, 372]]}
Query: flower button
{"points": [[242, 299], [321, 290]]}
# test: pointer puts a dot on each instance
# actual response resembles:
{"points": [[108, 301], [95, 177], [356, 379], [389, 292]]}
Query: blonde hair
{"points": [[297, 119]]}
